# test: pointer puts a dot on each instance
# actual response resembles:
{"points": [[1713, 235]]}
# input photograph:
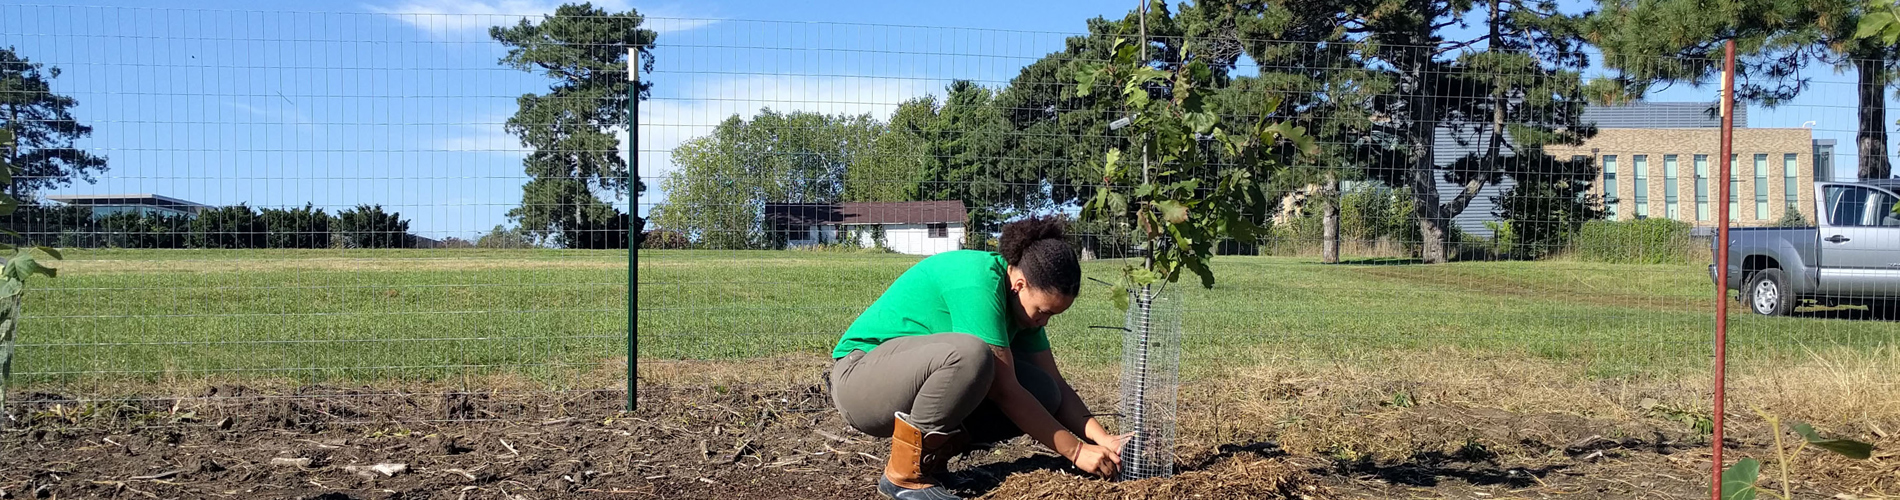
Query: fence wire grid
{"points": [[390, 200]]}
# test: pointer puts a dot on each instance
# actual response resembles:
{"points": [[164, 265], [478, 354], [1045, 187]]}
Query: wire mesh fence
{"points": [[445, 201]]}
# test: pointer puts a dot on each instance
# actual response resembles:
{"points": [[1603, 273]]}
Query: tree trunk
{"points": [[1329, 220], [1872, 139], [1423, 129]]}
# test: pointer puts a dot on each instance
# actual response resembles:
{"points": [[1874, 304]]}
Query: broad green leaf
{"points": [[1738, 481], [9, 232], [1125, 51], [23, 265], [1188, 185], [1143, 277], [1119, 297], [1198, 72], [1085, 75], [1112, 168], [1136, 97], [1202, 122], [1117, 203], [1199, 266], [1272, 105], [1846, 447], [1172, 211], [53, 252], [1873, 24], [8, 205], [9, 288], [1146, 189]]}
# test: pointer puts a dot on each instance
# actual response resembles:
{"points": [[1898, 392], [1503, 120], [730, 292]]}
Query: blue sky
{"points": [[401, 102]]}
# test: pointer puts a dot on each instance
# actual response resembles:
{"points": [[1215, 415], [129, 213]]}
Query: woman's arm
{"points": [[1029, 415], [1075, 414]]}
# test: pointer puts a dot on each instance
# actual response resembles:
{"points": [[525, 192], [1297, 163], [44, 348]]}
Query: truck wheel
{"points": [[1768, 293]]}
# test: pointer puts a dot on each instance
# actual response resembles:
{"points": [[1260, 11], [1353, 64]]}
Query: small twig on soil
{"points": [[121, 485], [114, 443], [874, 458], [708, 481], [832, 436], [319, 445], [511, 448], [161, 475]]}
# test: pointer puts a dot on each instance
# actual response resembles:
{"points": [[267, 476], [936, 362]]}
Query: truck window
{"points": [[1880, 210], [1854, 206], [1846, 205]]}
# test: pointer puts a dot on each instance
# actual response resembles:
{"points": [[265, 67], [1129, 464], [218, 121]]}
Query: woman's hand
{"points": [[1097, 460], [1112, 443]]}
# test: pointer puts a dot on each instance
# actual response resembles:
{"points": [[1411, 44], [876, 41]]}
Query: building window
{"points": [[1792, 179], [1761, 187], [1823, 162], [939, 230], [1701, 187], [1671, 190], [1609, 186], [1734, 186], [1639, 165]]}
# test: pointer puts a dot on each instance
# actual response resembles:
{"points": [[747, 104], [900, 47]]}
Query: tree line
{"points": [[1415, 95], [1380, 84], [237, 226]]}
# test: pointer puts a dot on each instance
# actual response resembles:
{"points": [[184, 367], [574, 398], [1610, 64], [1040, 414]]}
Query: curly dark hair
{"points": [[1038, 246]]}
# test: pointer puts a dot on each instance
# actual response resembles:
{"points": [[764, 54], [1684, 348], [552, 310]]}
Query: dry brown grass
{"points": [[1236, 478]]}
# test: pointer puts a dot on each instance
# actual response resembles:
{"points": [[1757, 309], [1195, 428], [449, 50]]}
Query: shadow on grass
{"points": [[978, 481], [1842, 314], [1380, 261]]}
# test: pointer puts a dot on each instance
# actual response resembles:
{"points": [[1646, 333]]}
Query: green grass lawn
{"points": [[1613, 319], [332, 315], [324, 315]]}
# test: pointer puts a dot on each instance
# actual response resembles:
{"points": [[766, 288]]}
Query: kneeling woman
{"points": [[955, 352]]}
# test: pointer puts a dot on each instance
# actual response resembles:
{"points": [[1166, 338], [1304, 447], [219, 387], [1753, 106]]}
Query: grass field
{"points": [[1614, 319], [324, 315], [441, 314]]}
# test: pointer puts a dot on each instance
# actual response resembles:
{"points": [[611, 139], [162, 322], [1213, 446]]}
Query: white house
{"points": [[913, 227]]}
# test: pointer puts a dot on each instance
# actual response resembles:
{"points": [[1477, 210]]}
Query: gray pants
{"points": [[942, 381]]}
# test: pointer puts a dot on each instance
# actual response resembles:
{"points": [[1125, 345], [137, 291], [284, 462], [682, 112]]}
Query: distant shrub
{"points": [[1647, 241]]}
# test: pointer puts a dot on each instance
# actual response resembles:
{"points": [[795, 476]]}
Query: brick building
{"points": [[1671, 172], [1658, 159]]}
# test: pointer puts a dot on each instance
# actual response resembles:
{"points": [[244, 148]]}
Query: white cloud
{"points": [[470, 19], [487, 134], [672, 118]]}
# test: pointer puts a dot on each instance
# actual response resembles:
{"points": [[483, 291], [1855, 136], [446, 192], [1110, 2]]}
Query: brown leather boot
{"points": [[905, 476]]}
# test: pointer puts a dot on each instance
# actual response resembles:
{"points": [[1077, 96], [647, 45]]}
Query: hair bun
{"points": [[1020, 235]]}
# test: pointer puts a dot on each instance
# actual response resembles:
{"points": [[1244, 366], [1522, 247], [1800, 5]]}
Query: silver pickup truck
{"points": [[1852, 257]]}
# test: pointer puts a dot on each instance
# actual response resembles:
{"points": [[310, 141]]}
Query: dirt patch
{"points": [[765, 429], [1236, 478]]}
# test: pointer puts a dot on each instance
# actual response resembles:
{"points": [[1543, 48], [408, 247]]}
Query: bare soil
{"points": [[783, 440]]}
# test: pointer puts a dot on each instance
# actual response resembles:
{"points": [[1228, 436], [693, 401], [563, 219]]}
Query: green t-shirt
{"points": [[959, 291]]}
